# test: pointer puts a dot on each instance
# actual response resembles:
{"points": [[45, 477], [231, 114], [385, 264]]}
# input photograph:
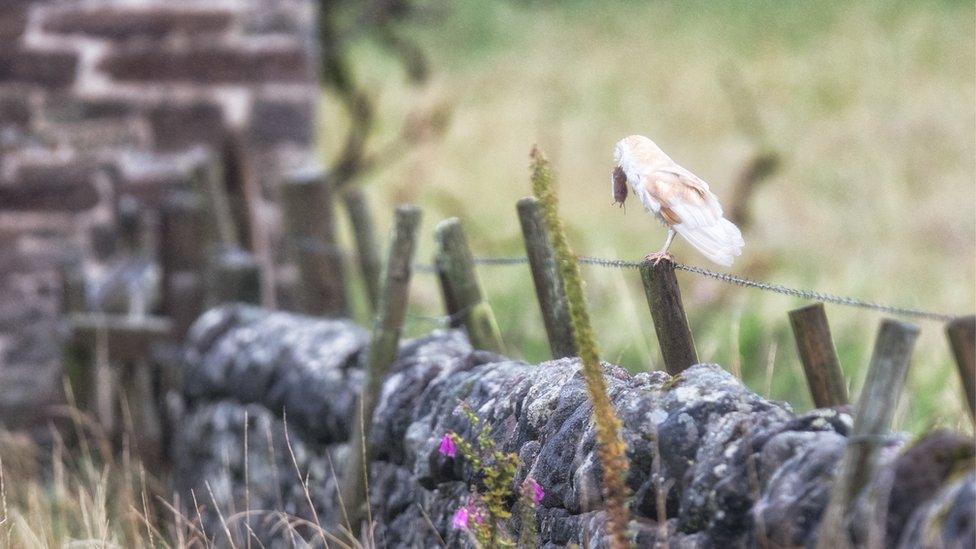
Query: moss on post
{"points": [[612, 449], [463, 289]]}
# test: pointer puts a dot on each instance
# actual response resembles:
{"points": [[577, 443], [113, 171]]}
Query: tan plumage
{"points": [[678, 198]]}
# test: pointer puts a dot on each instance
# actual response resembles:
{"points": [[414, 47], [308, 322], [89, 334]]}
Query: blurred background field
{"points": [[871, 107]]}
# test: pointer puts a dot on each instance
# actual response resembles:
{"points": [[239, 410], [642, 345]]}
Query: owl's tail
{"points": [[720, 242]]}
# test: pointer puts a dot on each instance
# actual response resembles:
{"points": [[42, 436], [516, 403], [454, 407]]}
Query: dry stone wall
{"points": [[712, 463], [106, 104]]}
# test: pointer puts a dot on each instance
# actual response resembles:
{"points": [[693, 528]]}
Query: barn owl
{"points": [[677, 197]]}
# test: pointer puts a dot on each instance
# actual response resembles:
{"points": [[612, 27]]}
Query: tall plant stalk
{"points": [[612, 450]]}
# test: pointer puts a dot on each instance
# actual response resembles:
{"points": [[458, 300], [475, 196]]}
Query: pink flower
{"points": [[460, 520], [464, 515], [447, 447], [532, 489]]}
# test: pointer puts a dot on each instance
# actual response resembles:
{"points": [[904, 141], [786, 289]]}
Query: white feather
{"points": [[702, 225]]}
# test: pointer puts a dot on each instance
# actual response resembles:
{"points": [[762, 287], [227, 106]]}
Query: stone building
{"points": [[104, 106]]}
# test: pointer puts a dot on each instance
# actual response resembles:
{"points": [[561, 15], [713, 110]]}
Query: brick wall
{"points": [[103, 102]]}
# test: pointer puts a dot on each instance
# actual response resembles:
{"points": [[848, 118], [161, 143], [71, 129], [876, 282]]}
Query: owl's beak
{"points": [[619, 181]]}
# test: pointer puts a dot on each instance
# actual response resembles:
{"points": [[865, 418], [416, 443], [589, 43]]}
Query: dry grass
{"points": [[871, 105], [75, 498]]}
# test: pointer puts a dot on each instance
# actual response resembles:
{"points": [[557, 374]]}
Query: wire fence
{"points": [[810, 295], [734, 280]]}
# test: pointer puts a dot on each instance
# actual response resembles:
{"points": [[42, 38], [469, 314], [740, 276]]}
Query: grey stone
{"points": [[738, 470]]}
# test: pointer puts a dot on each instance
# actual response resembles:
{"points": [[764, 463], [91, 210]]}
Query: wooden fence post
{"points": [[77, 358], [121, 346], [670, 324], [367, 250], [819, 358], [310, 238], [236, 278], [872, 420], [210, 182], [387, 326], [130, 224], [545, 275], [182, 249], [962, 338], [454, 259]]}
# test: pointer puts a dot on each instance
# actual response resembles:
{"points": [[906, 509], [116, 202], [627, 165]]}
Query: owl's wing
{"points": [[694, 212]]}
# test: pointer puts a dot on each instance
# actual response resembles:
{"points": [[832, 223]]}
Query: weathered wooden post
{"points": [[670, 324], [77, 358], [455, 261], [872, 420], [309, 225], [367, 250], [73, 291], [130, 225], [819, 358], [962, 338], [545, 275], [236, 278], [121, 346], [210, 182], [182, 250], [382, 351]]}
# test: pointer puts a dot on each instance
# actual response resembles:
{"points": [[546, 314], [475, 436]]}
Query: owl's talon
{"points": [[656, 257]]}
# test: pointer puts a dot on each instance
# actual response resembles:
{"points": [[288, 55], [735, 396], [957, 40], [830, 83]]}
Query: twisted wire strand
{"points": [[733, 280], [444, 321]]}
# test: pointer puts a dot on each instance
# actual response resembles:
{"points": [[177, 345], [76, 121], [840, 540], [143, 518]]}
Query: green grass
{"points": [[871, 106]]}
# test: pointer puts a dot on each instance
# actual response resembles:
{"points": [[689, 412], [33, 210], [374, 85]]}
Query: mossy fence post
{"points": [[818, 355], [387, 326], [545, 275], [872, 421], [458, 274]]}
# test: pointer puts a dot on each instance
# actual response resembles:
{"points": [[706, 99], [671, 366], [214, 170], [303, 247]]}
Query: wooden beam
{"points": [[962, 338], [670, 323], [383, 346], [183, 238], [816, 349], [367, 249], [126, 338], [872, 421], [310, 240], [545, 275], [236, 278]]}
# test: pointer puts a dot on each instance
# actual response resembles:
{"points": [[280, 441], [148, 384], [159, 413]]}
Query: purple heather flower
{"points": [[533, 490], [447, 447], [460, 520]]}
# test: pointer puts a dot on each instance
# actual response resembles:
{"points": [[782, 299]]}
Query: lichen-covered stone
{"points": [[712, 464]]}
